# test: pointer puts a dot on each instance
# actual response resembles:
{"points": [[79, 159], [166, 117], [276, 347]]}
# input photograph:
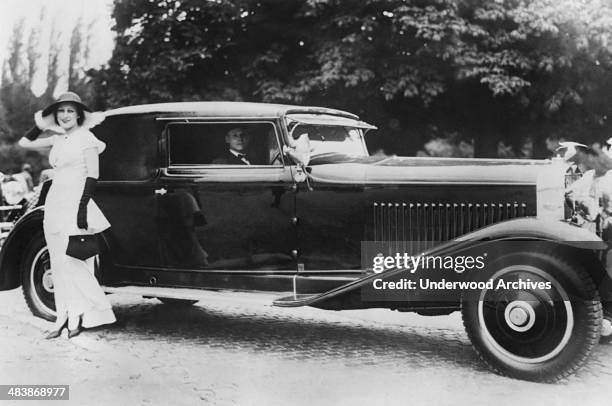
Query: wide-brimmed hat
{"points": [[63, 98], [45, 119]]}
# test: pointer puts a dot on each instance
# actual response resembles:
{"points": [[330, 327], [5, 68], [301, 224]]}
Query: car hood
{"points": [[434, 170]]}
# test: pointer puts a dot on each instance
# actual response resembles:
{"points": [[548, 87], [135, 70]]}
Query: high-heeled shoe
{"points": [[77, 330], [56, 333]]}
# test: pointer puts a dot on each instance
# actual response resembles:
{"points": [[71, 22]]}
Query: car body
{"points": [[294, 221]]}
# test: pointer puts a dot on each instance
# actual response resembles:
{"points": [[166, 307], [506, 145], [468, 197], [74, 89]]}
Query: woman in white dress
{"points": [[70, 210]]}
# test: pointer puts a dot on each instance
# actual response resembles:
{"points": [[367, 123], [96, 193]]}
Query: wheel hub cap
{"points": [[519, 316], [47, 281], [606, 328]]}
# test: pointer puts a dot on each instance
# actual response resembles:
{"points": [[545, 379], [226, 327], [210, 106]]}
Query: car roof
{"points": [[224, 109]]}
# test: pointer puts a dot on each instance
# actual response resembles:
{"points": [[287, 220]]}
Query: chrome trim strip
{"points": [[401, 182], [229, 119], [248, 272]]}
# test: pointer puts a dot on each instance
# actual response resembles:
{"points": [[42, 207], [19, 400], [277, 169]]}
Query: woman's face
{"points": [[67, 115]]}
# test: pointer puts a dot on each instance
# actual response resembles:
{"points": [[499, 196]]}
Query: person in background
{"points": [[607, 147], [25, 177], [591, 195], [45, 175]]}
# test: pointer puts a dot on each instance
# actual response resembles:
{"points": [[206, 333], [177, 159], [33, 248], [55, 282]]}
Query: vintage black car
{"points": [[295, 216]]}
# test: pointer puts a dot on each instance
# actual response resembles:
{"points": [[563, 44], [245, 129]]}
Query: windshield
{"points": [[331, 139]]}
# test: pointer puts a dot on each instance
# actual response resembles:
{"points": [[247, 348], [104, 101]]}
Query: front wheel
{"points": [[542, 329], [36, 278]]}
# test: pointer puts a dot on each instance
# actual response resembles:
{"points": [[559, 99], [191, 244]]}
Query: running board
{"points": [[297, 300], [293, 300], [181, 293]]}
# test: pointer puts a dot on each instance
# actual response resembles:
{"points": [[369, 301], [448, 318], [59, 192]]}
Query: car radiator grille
{"points": [[437, 221]]}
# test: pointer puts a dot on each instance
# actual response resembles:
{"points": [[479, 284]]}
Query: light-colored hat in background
{"points": [[569, 149], [607, 148]]}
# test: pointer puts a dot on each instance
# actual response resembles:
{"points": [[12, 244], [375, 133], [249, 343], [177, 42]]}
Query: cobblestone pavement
{"points": [[236, 349]]}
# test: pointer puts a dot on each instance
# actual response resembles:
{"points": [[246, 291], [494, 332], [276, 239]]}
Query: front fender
{"points": [[529, 228], [598, 262], [14, 246], [516, 229]]}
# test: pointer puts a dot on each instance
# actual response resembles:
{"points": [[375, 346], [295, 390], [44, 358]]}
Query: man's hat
{"points": [[65, 97]]}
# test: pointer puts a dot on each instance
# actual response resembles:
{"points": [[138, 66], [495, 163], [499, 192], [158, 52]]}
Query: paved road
{"points": [[235, 349]]}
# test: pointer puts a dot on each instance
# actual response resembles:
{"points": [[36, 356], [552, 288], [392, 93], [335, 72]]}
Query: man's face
{"points": [[584, 161], [237, 140]]}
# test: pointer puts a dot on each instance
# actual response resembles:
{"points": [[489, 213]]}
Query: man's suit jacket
{"points": [[227, 158]]}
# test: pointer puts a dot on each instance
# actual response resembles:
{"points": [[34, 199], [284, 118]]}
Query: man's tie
{"points": [[243, 158]]}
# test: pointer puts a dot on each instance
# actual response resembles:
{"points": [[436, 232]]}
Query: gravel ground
{"points": [[236, 349]]}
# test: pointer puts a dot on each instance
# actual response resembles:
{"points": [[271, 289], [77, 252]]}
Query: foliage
{"points": [[487, 70], [17, 101]]}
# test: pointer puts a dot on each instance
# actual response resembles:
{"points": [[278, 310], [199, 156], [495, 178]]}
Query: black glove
{"points": [[88, 191], [33, 133]]}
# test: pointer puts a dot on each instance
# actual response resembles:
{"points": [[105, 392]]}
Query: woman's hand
{"points": [[30, 141], [82, 217]]}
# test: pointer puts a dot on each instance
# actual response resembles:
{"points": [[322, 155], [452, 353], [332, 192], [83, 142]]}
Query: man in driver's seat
{"points": [[237, 141]]}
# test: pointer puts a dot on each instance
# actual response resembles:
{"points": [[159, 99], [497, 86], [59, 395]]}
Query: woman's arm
{"points": [[30, 141], [92, 162]]}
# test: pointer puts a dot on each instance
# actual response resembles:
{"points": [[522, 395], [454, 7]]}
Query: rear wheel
{"points": [[606, 325], [541, 330], [36, 278]]}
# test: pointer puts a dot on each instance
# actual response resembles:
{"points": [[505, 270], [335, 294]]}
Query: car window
{"points": [[131, 148], [331, 139], [239, 143]]}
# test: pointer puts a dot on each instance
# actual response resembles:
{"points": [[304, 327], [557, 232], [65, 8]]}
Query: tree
{"points": [[17, 101], [503, 70], [15, 93]]}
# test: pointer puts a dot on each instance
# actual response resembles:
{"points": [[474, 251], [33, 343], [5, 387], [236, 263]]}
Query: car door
{"points": [[231, 220], [126, 194]]}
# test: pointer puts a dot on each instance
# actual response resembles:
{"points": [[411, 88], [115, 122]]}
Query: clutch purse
{"points": [[82, 246]]}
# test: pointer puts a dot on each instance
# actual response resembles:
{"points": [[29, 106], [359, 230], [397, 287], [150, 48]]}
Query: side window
{"points": [[240, 143], [131, 148]]}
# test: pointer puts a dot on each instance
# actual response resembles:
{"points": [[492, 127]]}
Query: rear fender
{"points": [[18, 239], [14, 247]]}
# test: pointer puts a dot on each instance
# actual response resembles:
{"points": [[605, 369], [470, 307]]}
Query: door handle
{"points": [[161, 191]]}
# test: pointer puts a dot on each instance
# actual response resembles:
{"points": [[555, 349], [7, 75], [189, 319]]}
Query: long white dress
{"points": [[76, 290]]}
